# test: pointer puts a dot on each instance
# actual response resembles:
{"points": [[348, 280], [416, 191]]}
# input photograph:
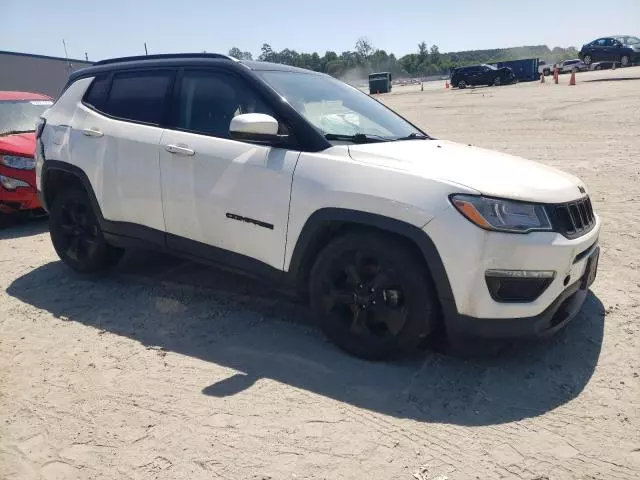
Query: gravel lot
{"points": [[170, 370]]}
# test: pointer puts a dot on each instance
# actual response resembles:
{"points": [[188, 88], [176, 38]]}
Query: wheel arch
{"points": [[57, 174], [328, 223]]}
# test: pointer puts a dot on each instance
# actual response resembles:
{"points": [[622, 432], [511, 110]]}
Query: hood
{"points": [[23, 144], [489, 173]]}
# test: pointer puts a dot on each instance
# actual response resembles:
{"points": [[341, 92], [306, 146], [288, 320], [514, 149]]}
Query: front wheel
{"points": [[76, 235], [587, 60], [462, 84], [372, 297], [496, 82], [625, 61]]}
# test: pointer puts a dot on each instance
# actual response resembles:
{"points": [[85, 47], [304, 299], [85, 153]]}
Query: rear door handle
{"points": [[180, 150], [92, 132]]}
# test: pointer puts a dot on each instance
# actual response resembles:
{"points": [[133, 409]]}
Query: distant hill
{"points": [[495, 55]]}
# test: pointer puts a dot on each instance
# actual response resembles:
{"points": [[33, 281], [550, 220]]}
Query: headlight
{"points": [[12, 183], [21, 163], [502, 215]]}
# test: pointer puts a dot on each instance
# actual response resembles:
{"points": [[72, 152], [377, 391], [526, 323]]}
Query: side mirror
{"points": [[256, 128]]}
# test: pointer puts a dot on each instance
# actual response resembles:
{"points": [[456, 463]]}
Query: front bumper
{"points": [[468, 252], [555, 317], [22, 198]]}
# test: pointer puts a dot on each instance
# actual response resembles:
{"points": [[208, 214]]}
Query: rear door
{"points": [[218, 192], [116, 135]]}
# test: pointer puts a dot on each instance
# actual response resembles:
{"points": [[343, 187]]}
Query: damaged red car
{"points": [[19, 112]]}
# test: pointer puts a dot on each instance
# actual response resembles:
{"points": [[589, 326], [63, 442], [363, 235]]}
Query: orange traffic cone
{"points": [[542, 78], [446, 84], [556, 75], [572, 80]]}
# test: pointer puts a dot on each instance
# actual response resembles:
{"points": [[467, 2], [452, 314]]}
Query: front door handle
{"points": [[92, 132], [180, 150]]}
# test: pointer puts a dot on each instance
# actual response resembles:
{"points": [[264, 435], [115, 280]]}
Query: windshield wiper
{"points": [[414, 136], [15, 132], [357, 138]]}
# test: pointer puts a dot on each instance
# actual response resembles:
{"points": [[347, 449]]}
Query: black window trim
{"points": [[173, 106], [168, 95]]}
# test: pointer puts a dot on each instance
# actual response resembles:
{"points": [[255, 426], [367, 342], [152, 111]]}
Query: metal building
{"points": [[36, 73]]}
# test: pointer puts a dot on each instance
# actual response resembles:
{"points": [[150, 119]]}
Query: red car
{"points": [[19, 112]]}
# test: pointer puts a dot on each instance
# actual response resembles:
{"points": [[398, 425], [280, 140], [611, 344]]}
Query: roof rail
{"points": [[165, 56]]}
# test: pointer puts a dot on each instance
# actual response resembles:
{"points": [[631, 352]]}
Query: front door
{"points": [[223, 197]]}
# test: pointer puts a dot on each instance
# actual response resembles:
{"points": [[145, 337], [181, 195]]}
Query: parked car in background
{"points": [[482, 75], [601, 65], [544, 68], [569, 66], [19, 112], [327, 193], [624, 49]]}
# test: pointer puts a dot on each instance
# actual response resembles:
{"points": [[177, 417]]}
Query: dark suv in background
{"points": [[623, 49], [481, 75]]}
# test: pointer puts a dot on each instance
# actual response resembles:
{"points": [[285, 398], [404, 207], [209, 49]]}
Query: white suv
{"points": [[296, 177]]}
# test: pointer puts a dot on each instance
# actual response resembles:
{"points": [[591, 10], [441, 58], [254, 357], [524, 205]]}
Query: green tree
{"points": [[235, 52], [435, 54]]}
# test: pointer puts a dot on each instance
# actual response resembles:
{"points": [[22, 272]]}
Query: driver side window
{"points": [[208, 101]]}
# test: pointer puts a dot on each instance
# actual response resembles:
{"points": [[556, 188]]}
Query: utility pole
{"points": [[66, 55], [145, 49]]}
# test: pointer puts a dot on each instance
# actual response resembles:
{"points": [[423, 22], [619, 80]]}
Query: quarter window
{"points": [[97, 92], [139, 96], [208, 100]]}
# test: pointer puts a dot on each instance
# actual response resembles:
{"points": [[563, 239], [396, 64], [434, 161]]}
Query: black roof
{"points": [[179, 59]]}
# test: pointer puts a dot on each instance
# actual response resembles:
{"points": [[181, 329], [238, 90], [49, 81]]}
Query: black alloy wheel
{"points": [[76, 235], [373, 298]]}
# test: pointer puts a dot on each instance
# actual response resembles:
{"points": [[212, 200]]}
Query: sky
{"points": [[115, 28]]}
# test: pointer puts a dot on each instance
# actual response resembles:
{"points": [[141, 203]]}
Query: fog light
{"points": [[518, 285], [12, 183]]}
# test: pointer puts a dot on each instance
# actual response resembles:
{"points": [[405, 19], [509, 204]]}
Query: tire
{"points": [[587, 60], [496, 82], [371, 296], [5, 220], [76, 235], [625, 61], [546, 72], [462, 84]]}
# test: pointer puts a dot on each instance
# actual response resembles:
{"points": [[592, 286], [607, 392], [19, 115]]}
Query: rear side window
{"points": [[139, 96], [97, 93]]}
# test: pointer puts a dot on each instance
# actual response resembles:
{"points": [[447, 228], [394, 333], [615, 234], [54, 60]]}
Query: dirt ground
{"points": [[170, 370]]}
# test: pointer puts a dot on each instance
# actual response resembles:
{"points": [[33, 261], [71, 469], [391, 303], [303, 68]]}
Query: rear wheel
{"points": [[625, 61], [462, 84], [587, 60], [372, 297], [76, 235], [496, 82]]}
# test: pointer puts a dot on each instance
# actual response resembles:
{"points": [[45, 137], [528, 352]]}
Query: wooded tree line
{"points": [[426, 61]]}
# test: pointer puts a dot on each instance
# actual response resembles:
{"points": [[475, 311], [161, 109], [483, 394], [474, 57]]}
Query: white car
{"points": [[569, 66], [298, 178]]}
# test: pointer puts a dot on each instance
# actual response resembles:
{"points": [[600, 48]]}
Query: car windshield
{"points": [[20, 116], [629, 40], [337, 109]]}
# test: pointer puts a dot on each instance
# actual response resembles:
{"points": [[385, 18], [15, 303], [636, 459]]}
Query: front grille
{"points": [[572, 219]]}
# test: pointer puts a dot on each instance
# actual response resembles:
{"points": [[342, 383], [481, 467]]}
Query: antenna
{"points": [[145, 49]]}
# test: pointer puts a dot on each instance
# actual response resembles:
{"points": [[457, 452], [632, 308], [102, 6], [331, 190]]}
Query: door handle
{"points": [[92, 132], [180, 150]]}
